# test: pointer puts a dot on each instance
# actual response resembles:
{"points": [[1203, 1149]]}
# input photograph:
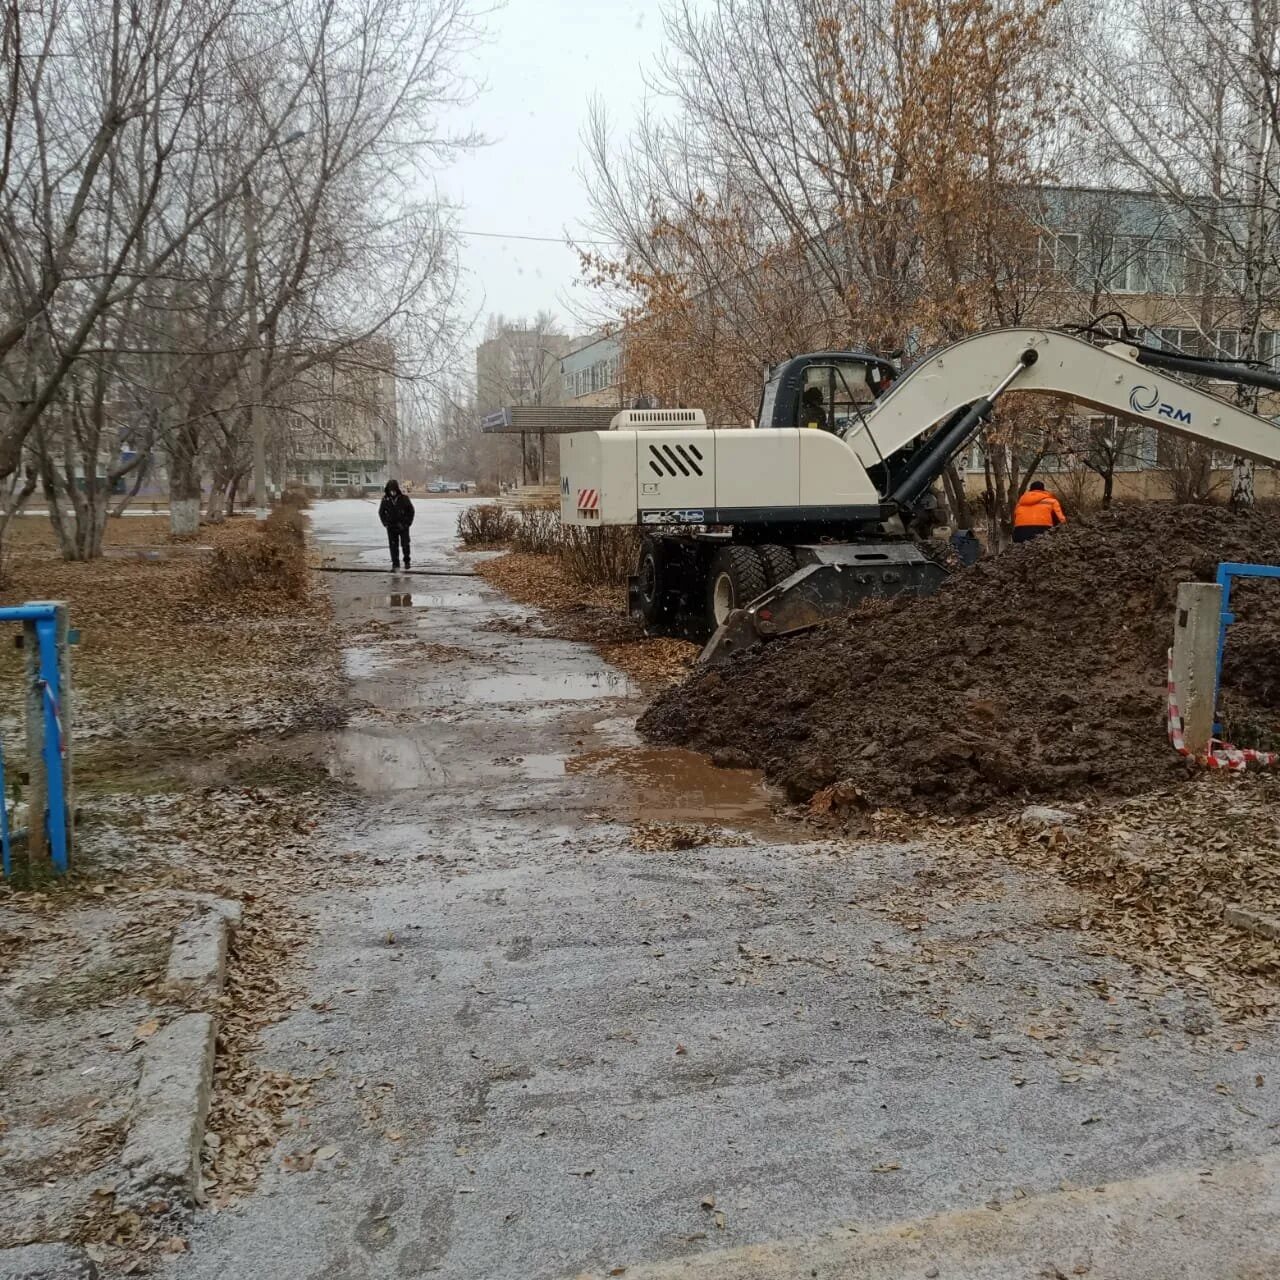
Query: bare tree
{"points": [[172, 260], [1184, 97], [833, 173]]}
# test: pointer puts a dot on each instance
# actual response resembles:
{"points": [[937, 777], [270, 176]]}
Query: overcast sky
{"points": [[544, 61]]}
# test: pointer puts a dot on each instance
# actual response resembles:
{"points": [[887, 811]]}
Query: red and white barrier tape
{"points": [[57, 715], [1220, 755]]}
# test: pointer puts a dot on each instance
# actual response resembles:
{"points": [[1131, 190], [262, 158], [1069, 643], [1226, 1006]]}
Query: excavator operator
{"points": [[1037, 512], [812, 414]]}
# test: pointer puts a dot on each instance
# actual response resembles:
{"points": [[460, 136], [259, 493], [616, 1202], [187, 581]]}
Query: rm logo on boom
{"points": [[1147, 400]]}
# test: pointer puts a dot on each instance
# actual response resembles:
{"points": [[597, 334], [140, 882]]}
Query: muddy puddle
{"points": [[669, 784], [434, 599], [382, 761], [567, 686], [359, 662]]}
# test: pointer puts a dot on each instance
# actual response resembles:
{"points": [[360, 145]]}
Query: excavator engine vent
{"points": [[675, 460]]}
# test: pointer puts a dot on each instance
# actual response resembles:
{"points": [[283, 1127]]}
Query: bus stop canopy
{"points": [[548, 419]]}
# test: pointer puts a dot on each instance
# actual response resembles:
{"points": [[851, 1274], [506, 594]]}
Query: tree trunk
{"points": [[139, 478], [16, 501], [1001, 502], [957, 498], [216, 508], [1242, 494], [91, 521], [184, 485], [234, 490]]}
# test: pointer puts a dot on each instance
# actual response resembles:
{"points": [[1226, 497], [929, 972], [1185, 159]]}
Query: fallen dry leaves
{"points": [[669, 837], [1155, 872], [182, 701]]}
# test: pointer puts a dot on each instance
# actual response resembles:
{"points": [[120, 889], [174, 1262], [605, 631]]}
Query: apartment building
{"points": [[344, 420], [591, 374]]}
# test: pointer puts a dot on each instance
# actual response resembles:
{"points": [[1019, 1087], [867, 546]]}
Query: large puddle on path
{"points": [[359, 663], [434, 599], [381, 762], [667, 784], [568, 686]]}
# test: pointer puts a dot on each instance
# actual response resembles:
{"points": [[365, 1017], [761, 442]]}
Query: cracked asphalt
{"points": [[547, 1052]]}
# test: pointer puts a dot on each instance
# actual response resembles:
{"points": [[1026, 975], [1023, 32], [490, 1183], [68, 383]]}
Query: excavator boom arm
{"points": [[1108, 379]]}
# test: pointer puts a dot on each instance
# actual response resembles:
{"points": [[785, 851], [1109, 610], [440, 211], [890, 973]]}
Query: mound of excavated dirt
{"points": [[1036, 674]]}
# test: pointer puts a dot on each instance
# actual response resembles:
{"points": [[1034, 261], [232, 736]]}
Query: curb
{"points": [[46, 1262], [166, 1124], [1252, 922], [198, 954]]}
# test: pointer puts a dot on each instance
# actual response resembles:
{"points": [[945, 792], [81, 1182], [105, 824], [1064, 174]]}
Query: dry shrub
{"points": [[606, 555], [537, 531], [486, 526], [595, 557], [297, 496], [273, 560]]}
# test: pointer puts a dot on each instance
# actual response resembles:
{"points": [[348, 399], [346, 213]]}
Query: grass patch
{"points": [[127, 974]]}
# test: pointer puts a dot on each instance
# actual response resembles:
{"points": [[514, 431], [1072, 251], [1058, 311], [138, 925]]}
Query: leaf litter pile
{"points": [[1037, 674], [197, 663]]}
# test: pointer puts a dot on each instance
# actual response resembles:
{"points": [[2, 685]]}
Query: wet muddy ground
{"points": [[543, 1050]]}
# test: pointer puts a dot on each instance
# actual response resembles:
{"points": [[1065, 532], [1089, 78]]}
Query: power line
{"points": [[511, 235]]}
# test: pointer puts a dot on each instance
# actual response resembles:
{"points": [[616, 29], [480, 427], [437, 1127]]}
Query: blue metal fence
{"points": [[1228, 572]]}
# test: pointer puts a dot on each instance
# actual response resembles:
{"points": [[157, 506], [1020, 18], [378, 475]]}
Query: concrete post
{"points": [[1195, 660]]}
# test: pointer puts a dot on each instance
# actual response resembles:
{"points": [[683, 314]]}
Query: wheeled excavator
{"points": [[751, 533]]}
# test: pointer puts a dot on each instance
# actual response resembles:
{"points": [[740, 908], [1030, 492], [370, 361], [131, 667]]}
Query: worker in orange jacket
{"points": [[1037, 512]]}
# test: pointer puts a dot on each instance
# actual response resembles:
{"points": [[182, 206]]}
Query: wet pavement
{"points": [[546, 1050]]}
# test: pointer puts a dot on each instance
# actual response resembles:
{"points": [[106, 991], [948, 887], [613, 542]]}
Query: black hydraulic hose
{"points": [[1246, 375], [949, 439]]}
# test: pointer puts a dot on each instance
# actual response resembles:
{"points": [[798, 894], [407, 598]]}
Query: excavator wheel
{"points": [[738, 574], [652, 586], [779, 562]]}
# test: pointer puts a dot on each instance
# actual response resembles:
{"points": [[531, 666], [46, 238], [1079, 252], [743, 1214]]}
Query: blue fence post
{"points": [[49, 807], [55, 775]]}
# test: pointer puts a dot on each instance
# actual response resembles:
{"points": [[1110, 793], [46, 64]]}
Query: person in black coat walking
{"points": [[396, 513]]}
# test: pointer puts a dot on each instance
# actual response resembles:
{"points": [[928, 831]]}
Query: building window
{"points": [[1267, 350], [1224, 344], [1182, 341], [1060, 254], [1146, 264]]}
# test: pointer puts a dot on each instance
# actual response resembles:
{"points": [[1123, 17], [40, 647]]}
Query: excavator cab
{"points": [[827, 390]]}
